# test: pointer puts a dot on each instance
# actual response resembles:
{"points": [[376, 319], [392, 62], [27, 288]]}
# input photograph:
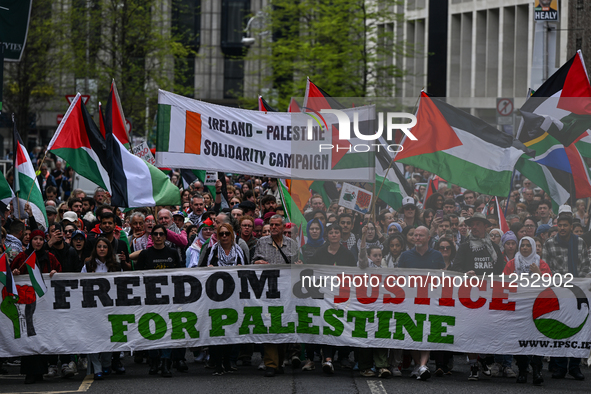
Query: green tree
{"points": [[132, 42], [28, 85], [347, 47]]}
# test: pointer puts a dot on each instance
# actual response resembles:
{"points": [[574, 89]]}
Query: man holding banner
{"points": [[275, 249]]}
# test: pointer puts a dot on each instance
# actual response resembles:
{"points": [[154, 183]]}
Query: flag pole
{"points": [[15, 173], [510, 190], [34, 180], [391, 161]]}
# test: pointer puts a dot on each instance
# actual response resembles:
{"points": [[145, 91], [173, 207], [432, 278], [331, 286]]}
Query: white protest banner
{"points": [[383, 308], [143, 152], [198, 135], [355, 198]]}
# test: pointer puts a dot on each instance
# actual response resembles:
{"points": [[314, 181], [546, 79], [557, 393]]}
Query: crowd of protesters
{"points": [[448, 231]]}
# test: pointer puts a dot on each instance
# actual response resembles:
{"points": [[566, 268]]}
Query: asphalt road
{"points": [[250, 380]]}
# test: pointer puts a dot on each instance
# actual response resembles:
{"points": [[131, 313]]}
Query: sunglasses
{"points": [[62, 211], [287, 233], [68, 231], [224, 234], [445, 247], [158, 234]]}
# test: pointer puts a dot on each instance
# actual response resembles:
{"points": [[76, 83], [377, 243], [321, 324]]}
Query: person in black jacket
{"points": [[159, 256], [62, 250], [478, 256]]}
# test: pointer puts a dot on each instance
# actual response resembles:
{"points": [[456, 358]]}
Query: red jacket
{"points": [[19, 263]]}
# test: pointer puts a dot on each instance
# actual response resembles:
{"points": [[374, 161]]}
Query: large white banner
{"points": [[198, 135], [408, 309]]}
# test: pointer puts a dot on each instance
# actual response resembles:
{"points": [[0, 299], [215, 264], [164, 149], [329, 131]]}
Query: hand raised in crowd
{"points": [[435, 225], [379, 232], [364, 232], [116, 233], [28, 209], [54, 237], [218, 186]]}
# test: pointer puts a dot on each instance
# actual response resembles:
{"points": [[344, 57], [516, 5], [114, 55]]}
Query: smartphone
{"points": [[57, 227], [440, 213]]}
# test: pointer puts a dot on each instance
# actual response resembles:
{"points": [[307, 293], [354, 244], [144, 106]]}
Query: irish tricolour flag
{"points": [[35, 275], [26, 186]]}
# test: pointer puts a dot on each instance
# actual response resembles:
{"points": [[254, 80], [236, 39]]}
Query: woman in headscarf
{"points": [[258, 228], [509, 244], [315, 232], [394, 228], [33, 367], [527, 261], [205, 231], [495, 235]]}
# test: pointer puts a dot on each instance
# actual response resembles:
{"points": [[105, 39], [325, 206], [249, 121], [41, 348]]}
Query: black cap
{"points": [[247, 205]]}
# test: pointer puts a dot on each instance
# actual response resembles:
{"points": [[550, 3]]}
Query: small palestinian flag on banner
{"points": [[35, 275], [6, 277]]}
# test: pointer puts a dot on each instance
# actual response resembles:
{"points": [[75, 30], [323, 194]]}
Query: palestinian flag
{"points": [[431, 189], [294, 106], [6, 193], [343, 155], [316, 99], [553, 117], [190, 176], [6, 276], [264, 106], [292, 211], [564, 99], [391, 185], [327, 189], [134, 182], [493, 208], [461, 148], [117, 117], [79, 142], [26, 187], [35, 275]]}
